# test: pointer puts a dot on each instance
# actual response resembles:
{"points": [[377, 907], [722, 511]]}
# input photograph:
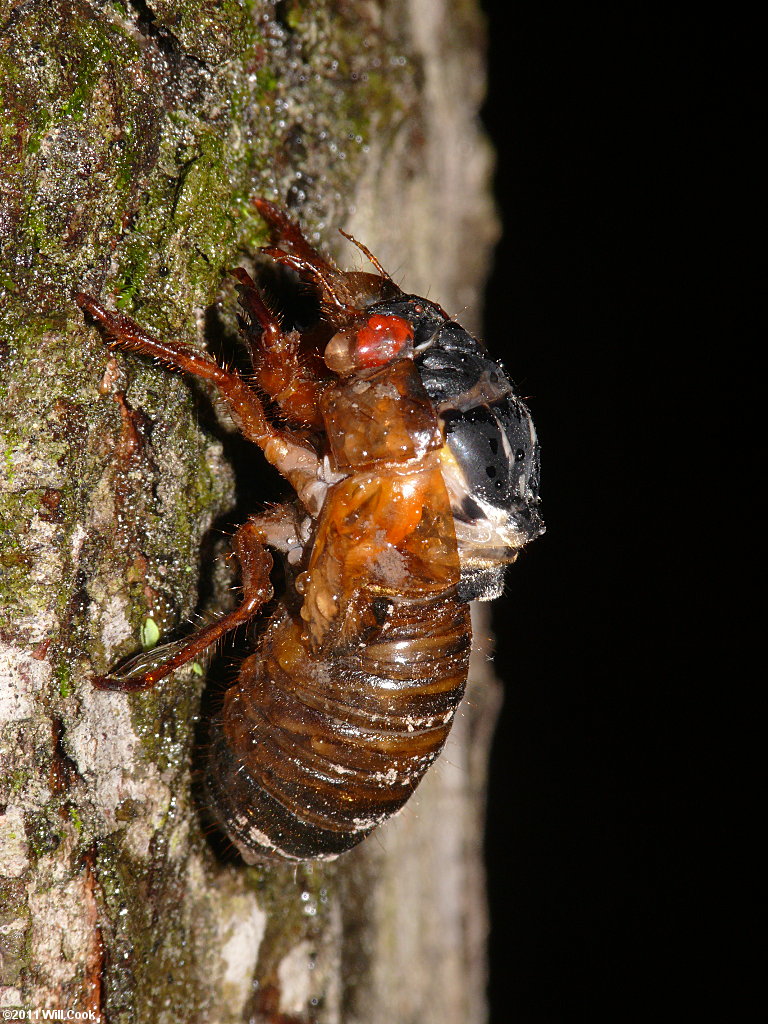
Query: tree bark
{"points": [[133, 137]]}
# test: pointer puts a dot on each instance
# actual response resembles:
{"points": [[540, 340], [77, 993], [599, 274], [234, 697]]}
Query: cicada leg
{"points": [[142, 672], [274, 353], [342, 292], [291, 456], [300, 255]]}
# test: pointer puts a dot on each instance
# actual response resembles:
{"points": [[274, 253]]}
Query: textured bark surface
{"points": [[132, 138]]}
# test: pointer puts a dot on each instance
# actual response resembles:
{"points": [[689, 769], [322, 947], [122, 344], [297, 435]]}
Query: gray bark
{"points": [[132, 137]]}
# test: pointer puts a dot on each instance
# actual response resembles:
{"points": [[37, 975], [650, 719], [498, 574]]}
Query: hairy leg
{"points": [[143, 671], [300, 255], [275, 358], [344, 293], [289, 454]]}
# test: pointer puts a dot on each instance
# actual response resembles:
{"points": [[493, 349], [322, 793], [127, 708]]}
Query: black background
{"points": [[605, 125]]}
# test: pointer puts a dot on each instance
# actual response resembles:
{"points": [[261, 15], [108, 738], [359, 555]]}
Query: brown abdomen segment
{"points": [[310, 755]]}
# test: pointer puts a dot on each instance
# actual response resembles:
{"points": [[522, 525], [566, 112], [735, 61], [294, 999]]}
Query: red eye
{"points": [[381, 339]]}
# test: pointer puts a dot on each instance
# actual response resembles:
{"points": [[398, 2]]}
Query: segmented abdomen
{"points": [[310, 755]]}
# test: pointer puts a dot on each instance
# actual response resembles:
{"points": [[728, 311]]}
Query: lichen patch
{"points": [[22, 679], [14, 850]]}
